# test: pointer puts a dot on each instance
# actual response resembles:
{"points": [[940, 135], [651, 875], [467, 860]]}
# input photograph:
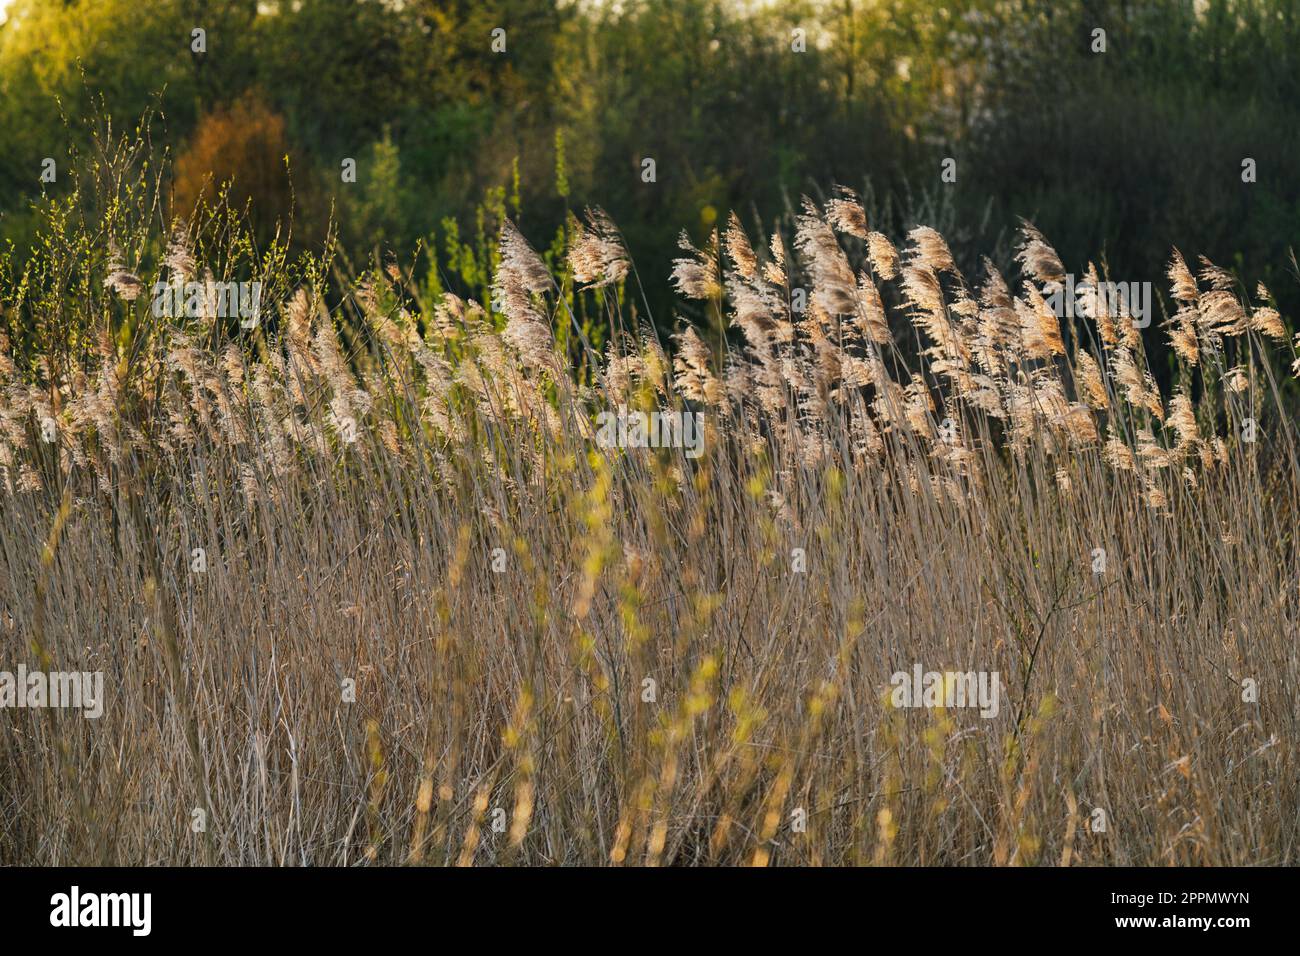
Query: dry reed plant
{"points": [[563, 653]]}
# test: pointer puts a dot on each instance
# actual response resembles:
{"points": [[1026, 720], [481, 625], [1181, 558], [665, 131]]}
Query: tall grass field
{"points": [[874, 561]]}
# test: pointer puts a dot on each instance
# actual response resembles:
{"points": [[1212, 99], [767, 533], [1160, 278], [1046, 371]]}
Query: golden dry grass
{"points": [[948, 457]]}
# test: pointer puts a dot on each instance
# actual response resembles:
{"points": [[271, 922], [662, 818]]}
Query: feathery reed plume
{"points": [[1039, 259], [1216, 278], [1088, 374], [693, 378], [1182, 336], [1268, 322], [1182, 419], [882, 255], [179, 261], [597, 255], [739, 249], [1040, 330], [846, 214], [696, 276], [930, 251], [125, 283], [834, 287], [1219, 314], [520, 276], [871, 311], [1182, 283]]}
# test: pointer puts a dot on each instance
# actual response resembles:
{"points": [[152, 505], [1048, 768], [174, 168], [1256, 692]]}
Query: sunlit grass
{"points": [[435, 622]]}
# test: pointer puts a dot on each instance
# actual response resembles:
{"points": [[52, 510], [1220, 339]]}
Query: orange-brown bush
{"points": [[240, 151]]}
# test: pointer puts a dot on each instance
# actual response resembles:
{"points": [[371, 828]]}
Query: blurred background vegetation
{"points": [[1116, 156]]}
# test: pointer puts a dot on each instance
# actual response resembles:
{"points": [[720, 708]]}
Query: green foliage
{"points": [[1128, 151]]}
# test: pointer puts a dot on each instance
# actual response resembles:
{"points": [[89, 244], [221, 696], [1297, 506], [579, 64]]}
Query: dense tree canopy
{"points": [[741, 105]]}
